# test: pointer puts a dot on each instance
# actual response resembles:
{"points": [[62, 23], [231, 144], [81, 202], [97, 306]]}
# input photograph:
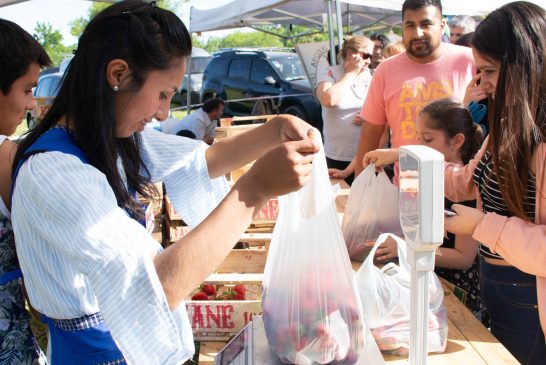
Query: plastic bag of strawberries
{"points": [[311, 309]]}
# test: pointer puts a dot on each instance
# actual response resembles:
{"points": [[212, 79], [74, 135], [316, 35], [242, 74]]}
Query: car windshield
{"points": [[290, 68], [198, 64]]}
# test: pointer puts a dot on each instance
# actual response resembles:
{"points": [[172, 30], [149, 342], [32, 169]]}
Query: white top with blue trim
{"points": [[80, 253]]}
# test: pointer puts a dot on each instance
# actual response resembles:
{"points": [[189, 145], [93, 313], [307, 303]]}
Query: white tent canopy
{"points": [[250, 13]]}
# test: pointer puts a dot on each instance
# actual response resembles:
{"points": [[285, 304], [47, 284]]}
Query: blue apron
{"points": [[85, 340]]}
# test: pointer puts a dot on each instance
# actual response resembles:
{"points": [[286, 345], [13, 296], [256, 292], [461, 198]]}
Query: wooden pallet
{"points": [[219, 320]]}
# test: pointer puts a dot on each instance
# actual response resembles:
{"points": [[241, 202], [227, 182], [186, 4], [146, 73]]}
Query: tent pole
{"points": [[339, 22], [331, 33], [188, 93]]}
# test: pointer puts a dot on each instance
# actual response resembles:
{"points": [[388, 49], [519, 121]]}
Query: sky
{"points": [[59, 13]]}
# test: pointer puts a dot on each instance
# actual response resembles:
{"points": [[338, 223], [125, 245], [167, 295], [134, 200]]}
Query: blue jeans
{"points": [[510, 296]]}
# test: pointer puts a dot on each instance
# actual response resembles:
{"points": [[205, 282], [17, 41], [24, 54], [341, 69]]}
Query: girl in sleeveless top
{"points": [[507, 177]]}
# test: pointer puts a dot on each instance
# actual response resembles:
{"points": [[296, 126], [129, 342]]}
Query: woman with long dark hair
{"points": [[108, 292], [507, 175]]}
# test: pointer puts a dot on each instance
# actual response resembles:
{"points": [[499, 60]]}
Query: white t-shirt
{"points": [[197, 122], [341, 135]]}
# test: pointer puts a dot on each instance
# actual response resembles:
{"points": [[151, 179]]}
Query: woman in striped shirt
{"points": [[109, 293], [507, 176]]}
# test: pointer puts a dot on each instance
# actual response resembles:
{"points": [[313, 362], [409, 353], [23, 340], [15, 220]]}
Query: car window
{"points": [[238, 69], [260, 70], [55, 85], [43, 87], [290, 68], [217, 67], [198, 64]]}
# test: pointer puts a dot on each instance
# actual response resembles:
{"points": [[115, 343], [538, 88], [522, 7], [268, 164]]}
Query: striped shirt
{"points": [[491, 196], [80, 253]]}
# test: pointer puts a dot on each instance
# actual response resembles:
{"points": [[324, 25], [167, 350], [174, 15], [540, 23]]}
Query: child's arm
{"points": [[461, 256], [381, 157], [342, 174]]}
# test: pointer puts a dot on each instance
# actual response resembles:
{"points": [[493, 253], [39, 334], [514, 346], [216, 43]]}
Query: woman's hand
{"points": [[474, 91], [466, 220], [354, 64], [284, 169], [380, 157], [386, 251], [292, 128]]}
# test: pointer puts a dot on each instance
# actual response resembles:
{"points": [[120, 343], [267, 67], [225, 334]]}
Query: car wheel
{"points": [[298, 111]]}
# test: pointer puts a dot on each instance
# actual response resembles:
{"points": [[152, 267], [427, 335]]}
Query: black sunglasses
{"points": [[365, 55]]}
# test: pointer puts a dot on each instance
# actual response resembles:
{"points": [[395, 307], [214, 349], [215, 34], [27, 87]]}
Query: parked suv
{"points": [[242, 74], [199, 61]]}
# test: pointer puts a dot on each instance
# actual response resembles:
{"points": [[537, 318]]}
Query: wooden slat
{"points": [[235, 278], [250, 260]]}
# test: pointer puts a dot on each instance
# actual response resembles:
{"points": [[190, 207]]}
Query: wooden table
{"points": [[469, 342]]}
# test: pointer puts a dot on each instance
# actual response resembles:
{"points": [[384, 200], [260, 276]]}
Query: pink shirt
{"points": [[401, 87], [519, 242]]}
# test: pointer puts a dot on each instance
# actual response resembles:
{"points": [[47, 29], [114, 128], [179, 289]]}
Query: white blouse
{"points": [[81, 253]]}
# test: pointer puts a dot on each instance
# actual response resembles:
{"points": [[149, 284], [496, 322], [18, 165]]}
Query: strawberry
{"points": [[239, 288], [208, 289], [238, 296], [200, 296]]}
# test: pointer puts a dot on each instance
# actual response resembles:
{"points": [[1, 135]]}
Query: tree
{"points": [[241, 39], [77, 26], [51, 39]]}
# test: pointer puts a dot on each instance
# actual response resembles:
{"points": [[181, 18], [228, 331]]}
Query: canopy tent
{"points": [[361, 13]]}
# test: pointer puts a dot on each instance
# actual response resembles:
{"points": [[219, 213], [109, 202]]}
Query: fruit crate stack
{"points": [[154, 212], [226, 301]]}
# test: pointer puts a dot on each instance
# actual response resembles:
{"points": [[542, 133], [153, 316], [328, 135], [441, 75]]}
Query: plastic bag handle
{"points": [[401, 248]]}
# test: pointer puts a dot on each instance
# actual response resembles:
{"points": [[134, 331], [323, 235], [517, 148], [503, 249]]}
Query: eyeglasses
{"points": [[365, 55]]}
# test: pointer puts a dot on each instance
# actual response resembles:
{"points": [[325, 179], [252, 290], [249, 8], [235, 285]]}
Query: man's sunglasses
{"points": [[365, 55]]}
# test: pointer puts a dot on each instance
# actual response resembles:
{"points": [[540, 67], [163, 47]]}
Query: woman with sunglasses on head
{"points": [[109, 293], [341, 91], [508, 177]]}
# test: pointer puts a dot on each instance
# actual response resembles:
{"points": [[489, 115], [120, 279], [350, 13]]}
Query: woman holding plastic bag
{"points": [[311, 310]]}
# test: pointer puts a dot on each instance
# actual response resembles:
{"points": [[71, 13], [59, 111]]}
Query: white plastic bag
{"points": [[385, 295], [311, 310], [372, 209]]}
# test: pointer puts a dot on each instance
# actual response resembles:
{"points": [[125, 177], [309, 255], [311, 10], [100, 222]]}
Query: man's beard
{"points": [[423, 51]]}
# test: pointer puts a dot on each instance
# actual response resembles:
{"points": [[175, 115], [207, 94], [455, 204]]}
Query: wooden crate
{"points": [[170, 212], [219, 320]]}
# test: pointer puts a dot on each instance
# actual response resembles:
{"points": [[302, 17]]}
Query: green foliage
{"points": [[51, 39], [240, 39], [78, 25], [287, 36]]}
